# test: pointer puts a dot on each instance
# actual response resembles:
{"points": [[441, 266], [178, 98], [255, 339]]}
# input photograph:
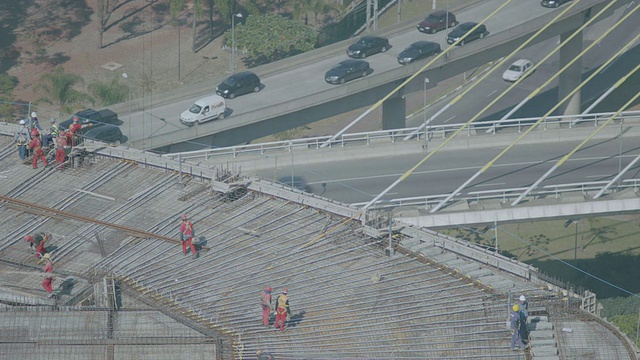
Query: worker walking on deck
{"points": [[186, 235], [47, 283], [514, 320], [282, 309], [36, 146], [38, 240], [266, 305]]}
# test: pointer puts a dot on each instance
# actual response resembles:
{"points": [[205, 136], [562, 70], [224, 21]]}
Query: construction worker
{"points": [[282, 309], [37, 240], [54, 130], [47, 283], [74, 128], [266, 305], [514, 320], [22, 138], [33, 121], [524, 306], [36, 146], [523, 313], [263, 355], [186, 235], [61, 144]]}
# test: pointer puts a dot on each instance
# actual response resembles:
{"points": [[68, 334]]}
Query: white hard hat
{"points": [[522, 298], [22, 122], [33, 114]]}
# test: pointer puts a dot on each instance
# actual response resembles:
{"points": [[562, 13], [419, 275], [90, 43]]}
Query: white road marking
{"points": [[493, 184], [451, 118], [491, 93]]}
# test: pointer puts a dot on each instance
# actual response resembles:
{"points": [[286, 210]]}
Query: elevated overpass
{"points": [[275, 110]]}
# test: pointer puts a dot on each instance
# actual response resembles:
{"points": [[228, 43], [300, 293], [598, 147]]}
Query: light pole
{"points": [[233, 41], [424, 108], [124, 75]]}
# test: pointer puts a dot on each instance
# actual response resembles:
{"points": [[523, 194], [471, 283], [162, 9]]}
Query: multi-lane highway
{"points": [[360, 181], [282, 89]]}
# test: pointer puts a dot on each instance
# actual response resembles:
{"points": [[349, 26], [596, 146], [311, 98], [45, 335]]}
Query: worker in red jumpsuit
{"points": [[282, 309], [37, 240], [186, 235], [61, 143], [74, 128], [36, 146], [266, 305], [47, 283]]}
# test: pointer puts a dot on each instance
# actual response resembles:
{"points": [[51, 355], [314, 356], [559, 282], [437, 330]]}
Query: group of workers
{"points": [[39, 241], [282, 309], [28, 137], [518, 321]]}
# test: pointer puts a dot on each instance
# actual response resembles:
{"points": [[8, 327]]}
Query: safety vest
{"points": [[188, 228], [282, 303], [55, 130], [22, 136]]}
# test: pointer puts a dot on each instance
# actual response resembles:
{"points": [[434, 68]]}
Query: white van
{"points": [[205, 109]]}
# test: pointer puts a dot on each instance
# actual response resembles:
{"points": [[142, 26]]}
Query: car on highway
{"points": [[239, 84], [520, 68], [553, 3], [347, 70], [465, 28], [295, 182], [437, 21], [418, 50], [367, 46]]}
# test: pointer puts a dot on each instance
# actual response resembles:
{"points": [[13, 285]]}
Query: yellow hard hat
{"points": [[47, 256], [516, 307]]}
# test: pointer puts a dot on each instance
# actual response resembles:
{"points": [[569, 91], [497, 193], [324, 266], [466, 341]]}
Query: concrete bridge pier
{"points": [[570, 78], [394, 111]]}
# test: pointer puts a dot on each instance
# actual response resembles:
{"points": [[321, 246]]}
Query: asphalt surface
{"points": [[362, 180], [308, 78]]}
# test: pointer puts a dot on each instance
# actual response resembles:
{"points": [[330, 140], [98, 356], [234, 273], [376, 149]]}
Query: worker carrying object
{"points": [[38, 240], [265, 298], [186, 235], [47, 283], [282, 309], [36, 146]]}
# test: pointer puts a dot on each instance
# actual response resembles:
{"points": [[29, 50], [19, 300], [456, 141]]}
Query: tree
{"points": [[105, 10], [109, 93], [59, 89], [177, 6], [284, 38]]}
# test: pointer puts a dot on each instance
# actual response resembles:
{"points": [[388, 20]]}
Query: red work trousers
{"points": [[188, 241], [47, 284], [35, 160], [281, 317], [266, 311], [40, 250], [60, 155]]}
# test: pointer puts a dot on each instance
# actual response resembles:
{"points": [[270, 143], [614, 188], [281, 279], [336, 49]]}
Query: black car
{"points": [[418, 50], [437, 21], [347, 70], [295, 182], [552, 3], [368, 45], [464, 28], [238, 84], [104, 133]]}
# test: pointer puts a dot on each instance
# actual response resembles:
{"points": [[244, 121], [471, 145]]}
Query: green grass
{"points": [[607, 247]]}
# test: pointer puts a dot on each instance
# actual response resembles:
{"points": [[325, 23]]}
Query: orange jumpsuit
{"points": [[47, 283], [186, 233], [36, 145]]}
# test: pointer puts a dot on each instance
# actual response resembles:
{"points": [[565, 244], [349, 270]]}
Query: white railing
{"points": [[504, 195], [391, 136]]}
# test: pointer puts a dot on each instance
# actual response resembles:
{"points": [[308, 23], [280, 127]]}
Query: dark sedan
{"points": [[368, 45], [418, 50], [437, 21], [552, 3], [347, 70], [465, 28]]}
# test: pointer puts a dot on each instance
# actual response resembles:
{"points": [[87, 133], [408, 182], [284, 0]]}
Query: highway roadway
{"points": [[493, 85], [360, 181], [308, 79]]}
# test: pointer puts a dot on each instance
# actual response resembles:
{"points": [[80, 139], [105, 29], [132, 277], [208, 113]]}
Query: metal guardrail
{"points": [[505, 194], [392, 136]]}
